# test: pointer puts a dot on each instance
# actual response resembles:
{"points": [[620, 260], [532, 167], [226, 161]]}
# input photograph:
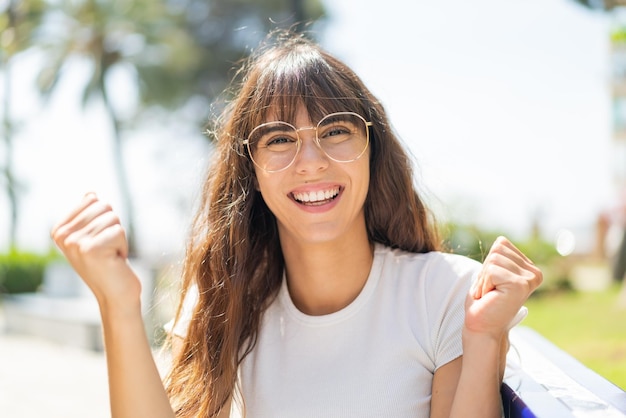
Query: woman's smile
{"points": [[316, 197]]}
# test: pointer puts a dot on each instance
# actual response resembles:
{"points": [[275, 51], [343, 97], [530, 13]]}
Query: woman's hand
{"points": [[505, 281], [94, 242]]}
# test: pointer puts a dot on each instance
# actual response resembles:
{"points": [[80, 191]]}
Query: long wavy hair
{"points": [[234, 256]]}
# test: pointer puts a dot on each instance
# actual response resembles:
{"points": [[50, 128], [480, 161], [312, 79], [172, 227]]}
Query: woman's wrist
{"points": [[119, 307], [488, 351], [473, 335], [484, 348]]}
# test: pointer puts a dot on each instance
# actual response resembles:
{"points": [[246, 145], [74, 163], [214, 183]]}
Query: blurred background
{"points": [[514, 110]]}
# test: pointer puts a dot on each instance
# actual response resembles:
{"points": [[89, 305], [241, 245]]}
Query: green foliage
{"points": [[539, 250], [618, 36], [468, 240], [18, 22], [475, 243], [22, 272], [144, 35]]}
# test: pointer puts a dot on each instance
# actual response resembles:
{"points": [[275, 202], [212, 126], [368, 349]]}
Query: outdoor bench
{"points": [[543, 381]]}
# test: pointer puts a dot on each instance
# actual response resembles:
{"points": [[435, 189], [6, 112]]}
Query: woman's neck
{"points": [[326, 277]]}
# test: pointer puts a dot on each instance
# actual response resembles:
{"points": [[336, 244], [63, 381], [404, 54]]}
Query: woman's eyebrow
{"points": [[275, 127]]}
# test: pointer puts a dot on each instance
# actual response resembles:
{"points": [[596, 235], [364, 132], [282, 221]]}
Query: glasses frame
{"points": [[368, 124]]}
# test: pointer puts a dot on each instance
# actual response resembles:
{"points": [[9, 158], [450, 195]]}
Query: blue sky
{"points": [[505, 105]]}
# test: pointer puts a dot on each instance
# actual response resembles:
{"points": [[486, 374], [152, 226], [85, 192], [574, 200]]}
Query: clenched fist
{"points": [[505, 281], [94, 242]]}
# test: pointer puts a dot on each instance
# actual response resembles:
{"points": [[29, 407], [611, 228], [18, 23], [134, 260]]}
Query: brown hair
{"points": [[234, 256]]}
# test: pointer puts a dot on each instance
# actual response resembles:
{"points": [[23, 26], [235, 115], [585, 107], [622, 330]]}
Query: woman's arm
{"points": [[470, 385], [447, 379], [135, 386], [94, 243]]}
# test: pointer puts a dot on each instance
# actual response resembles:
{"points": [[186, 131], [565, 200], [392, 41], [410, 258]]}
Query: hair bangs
{"points": [[295, 79]]}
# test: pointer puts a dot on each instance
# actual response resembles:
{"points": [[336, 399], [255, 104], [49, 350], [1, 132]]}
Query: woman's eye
{"points": [[278, 140], [336, 131]]}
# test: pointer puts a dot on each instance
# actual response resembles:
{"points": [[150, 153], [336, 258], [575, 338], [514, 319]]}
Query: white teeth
{"points": [[311, 197]]}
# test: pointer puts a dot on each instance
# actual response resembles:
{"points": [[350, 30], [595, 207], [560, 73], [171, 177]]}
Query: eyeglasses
{"points": [[342, 136]]}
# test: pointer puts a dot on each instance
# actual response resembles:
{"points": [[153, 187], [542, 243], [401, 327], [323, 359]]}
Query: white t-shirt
{"points": [[374, 358]]}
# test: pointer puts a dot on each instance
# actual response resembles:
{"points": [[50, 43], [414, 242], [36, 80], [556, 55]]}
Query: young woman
{"points": [[313, 284]]}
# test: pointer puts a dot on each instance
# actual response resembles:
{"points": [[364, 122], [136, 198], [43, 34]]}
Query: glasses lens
{"points": [[273, 145], [343, 136]]}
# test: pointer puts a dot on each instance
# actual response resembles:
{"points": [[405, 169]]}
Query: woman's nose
{"points": [[310, 156]]}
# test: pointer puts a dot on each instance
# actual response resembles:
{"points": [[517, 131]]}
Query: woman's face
{"points": [[316, 199]]}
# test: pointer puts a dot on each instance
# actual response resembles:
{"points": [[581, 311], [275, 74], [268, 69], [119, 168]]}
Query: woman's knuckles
{"points": [[537, 277]]}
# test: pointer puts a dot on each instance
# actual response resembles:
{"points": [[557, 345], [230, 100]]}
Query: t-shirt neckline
{"points": [[342, 314]]}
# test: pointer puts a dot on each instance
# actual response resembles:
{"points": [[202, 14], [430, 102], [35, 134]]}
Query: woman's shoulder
{"points": [[431, 259], [433, 273], [429, 285]]}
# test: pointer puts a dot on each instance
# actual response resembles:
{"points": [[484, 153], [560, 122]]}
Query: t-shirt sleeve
{"points": [[451, 279], [179, 328]]}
